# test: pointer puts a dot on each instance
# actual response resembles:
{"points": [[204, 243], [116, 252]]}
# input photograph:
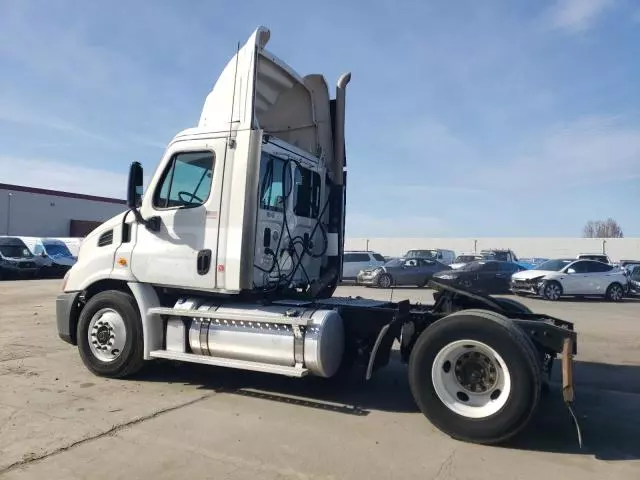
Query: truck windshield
{"points": [[15, 251], [57, 250]]}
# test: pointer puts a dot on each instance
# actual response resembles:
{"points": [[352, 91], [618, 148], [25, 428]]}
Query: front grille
{"points": [[27, 265]]}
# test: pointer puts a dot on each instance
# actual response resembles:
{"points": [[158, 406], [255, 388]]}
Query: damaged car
{"points": [[570, 277]]}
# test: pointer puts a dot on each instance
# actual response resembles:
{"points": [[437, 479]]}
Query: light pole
{"points": [[367, 244], [9, 212]]}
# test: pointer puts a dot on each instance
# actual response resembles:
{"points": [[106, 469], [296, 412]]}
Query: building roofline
{"points": [[57, 193]]}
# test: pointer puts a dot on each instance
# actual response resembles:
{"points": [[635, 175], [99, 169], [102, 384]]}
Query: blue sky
{"points": [[465, 118]]}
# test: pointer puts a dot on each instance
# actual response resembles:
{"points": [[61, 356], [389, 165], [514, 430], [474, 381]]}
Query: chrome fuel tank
{"points": [[274, 334]]}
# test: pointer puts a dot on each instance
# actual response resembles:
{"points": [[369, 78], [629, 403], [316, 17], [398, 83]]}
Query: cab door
{"points": [[178, 246]]}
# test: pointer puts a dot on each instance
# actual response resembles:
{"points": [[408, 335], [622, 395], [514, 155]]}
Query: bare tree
{"points": [[602, 229]]}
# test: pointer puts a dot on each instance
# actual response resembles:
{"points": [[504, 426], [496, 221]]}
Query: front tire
{"points": [[475, 376], [110, 335], [552, 291], [615, 292], [385, 281]]}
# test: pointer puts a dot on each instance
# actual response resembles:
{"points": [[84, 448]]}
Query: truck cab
{"points": [[248, 201]]}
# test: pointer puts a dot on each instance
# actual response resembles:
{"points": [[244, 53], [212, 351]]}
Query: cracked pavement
{"points": [[57, 421]]}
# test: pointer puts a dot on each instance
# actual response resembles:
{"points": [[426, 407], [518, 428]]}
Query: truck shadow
{"points": [[607, 401]]}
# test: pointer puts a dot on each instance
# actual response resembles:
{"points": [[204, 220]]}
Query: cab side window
{"points": [[307, 193], [186, 182], [272, 183]]}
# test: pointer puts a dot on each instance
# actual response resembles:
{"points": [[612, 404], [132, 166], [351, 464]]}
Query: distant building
{"points": [[37, 212]]}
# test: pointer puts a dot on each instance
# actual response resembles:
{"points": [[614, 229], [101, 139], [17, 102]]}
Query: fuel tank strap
{"points": [[298, 337]]}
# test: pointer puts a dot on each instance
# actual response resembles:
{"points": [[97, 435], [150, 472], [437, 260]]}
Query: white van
{"points": [[354, 261], [442, 255], [52, 255]]}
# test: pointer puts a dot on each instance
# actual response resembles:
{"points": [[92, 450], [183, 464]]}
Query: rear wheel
{"points": [[110, 335], [475, 376]]}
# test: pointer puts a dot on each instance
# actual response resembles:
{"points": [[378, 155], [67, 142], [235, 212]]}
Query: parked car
{"points": [[401, 272], [465, 258], [501, 254], [354, 261], [560, 277], [441, 255], [628, 263], [600, 257], [16, 259], [57, 256], [487, 276], [633, 274]]}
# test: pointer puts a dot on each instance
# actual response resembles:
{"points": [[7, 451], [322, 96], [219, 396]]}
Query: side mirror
{"points": [[571, 270], [43, 254], [134, 188]]}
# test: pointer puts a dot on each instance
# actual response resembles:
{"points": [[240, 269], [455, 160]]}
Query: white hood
{"points": [[529, 274], [457, 265]]}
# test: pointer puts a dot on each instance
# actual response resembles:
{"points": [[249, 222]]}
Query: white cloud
{"points": [[401, 225], [577, 15], [12, 112], [55, 175], [591, 150]]}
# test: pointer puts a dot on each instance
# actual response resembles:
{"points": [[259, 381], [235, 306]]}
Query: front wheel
{"points": [[552, 291], [385, 280], [110, 335], [475, 376], [615, 292]]}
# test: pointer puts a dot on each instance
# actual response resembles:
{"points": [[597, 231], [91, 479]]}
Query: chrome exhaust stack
{"points": [[338, 136]]}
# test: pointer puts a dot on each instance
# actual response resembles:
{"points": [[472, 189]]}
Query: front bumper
{"points": [[367, 279], [19, 268], [525, 286], [66, 313]]}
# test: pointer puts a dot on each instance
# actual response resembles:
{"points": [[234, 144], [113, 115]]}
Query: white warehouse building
{"points": [[36, 212]]}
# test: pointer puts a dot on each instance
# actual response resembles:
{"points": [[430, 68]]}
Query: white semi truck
{"points": [[232, 254]]}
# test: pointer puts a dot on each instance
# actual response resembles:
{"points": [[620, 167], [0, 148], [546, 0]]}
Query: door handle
{"points": [[203, 262]]}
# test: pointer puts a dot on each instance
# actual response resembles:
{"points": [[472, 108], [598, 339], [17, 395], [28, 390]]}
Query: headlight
{"points": [[446, 276]]}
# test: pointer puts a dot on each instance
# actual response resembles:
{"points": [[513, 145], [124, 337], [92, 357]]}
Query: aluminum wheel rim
{"points": [[385, 281], [107, 335], [552, 292], [616, 292], [461, 363]]}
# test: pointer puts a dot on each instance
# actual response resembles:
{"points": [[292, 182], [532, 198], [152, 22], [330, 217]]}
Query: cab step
{"points": [[297, 372]]}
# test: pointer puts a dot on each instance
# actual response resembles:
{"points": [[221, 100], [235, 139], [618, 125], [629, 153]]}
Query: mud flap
{"points": [[567, 384]]}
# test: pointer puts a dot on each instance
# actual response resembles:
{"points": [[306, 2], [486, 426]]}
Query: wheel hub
{"points": [[471, 378], [107, 335], [103, 334], [475, 372]]}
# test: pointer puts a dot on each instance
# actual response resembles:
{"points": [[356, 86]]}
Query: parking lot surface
{"points": [[58, 421]]}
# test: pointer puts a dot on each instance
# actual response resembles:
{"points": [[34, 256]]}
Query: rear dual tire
{"points": [[476, 376]]}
